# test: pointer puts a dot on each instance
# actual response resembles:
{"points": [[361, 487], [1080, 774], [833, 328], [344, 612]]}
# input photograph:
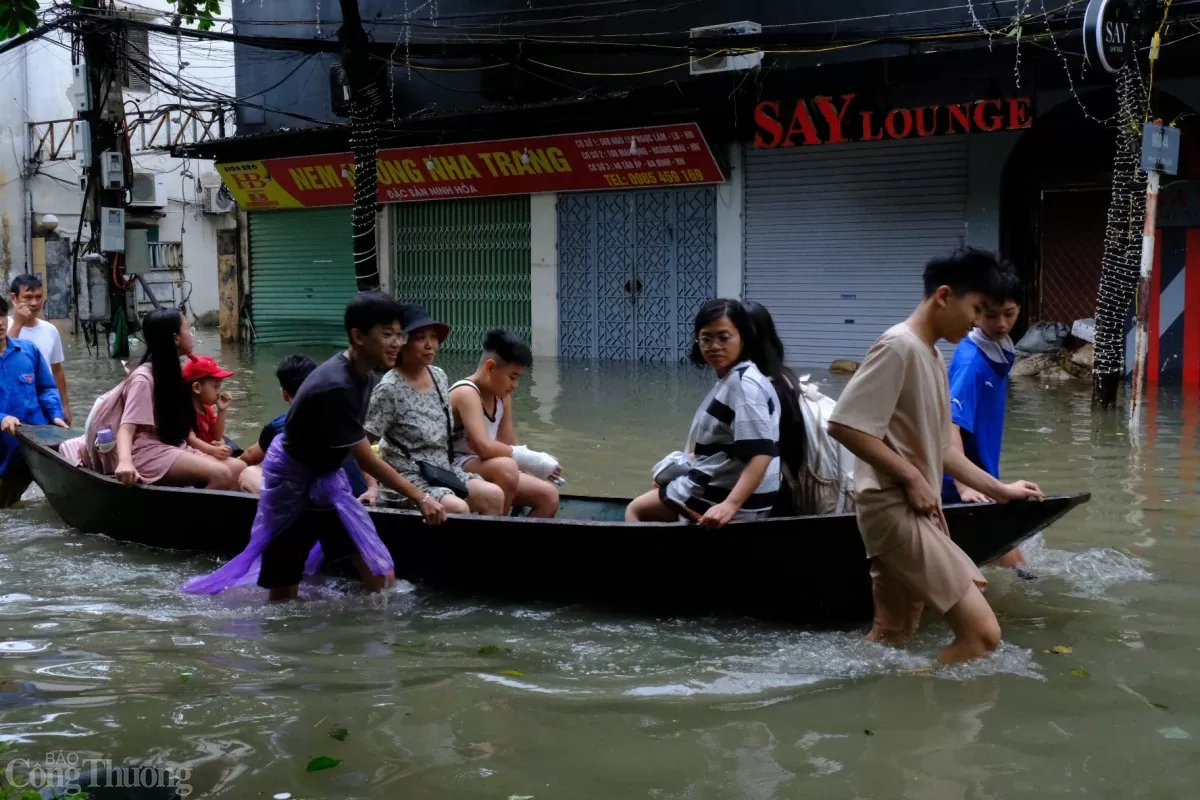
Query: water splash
{"points": [[1091, 573], [672, 660]]}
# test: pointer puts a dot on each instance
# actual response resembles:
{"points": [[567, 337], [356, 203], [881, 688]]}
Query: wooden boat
{"points": [[807, 570]]}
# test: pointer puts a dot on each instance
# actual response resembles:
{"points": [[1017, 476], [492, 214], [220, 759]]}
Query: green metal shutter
{"points": [[468, 263], [301, 275]]}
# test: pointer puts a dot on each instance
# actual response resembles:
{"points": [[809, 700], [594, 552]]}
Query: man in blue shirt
{"points": [[28, 395], [979, 392]]}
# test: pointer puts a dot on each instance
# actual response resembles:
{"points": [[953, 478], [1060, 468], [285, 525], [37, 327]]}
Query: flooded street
{"points": [[439, 697]]}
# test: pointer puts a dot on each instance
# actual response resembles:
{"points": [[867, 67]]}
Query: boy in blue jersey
{"points": [[978, 394]]}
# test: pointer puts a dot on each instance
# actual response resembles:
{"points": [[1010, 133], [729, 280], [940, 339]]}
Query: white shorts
{"points": [[462, 458]]}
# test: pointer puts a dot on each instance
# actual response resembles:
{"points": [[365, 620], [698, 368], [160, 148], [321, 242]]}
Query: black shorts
{"points": [[14, 481], [283, 560]]}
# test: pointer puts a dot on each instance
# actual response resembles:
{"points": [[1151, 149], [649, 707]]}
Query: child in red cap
{"points": [[205, 375]]}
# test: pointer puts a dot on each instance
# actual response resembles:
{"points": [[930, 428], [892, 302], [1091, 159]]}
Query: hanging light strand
{"points": [[1123, 233], [364, 142], [986, 31], [1071, 78]]}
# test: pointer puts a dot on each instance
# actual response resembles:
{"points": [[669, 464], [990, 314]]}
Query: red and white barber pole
{"points": [[1141, 337], [1160, 153]]}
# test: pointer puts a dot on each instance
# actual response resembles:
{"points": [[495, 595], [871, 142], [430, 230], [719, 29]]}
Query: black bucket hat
{"points": [[416, 317]]}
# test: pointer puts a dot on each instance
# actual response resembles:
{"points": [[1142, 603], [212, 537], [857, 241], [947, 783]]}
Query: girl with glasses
{"points": [[731, 470]]}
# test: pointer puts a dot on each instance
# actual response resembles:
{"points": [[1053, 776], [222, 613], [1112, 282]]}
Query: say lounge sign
{"points": [[1109, 35], [833, 120]]}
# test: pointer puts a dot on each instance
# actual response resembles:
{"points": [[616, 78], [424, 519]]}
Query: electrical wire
{"points": [[475, 42], [270, 49]]}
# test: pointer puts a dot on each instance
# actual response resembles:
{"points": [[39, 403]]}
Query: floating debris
{"points": [[322, 762], [492, 650], [1174, 733]]}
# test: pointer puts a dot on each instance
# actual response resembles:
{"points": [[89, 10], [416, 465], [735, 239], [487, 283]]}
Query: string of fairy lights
{"points": [[364, 143], [1123, 231], [1121, 262]]}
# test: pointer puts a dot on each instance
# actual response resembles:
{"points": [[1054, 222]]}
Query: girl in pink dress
{"points": [[150, 415]]}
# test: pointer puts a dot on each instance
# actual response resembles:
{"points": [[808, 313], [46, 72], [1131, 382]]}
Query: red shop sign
{"points": [[828, 120], [666, 155]]}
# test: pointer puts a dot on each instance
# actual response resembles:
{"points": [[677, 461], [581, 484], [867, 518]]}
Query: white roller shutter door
{"points": [[836, 237]]}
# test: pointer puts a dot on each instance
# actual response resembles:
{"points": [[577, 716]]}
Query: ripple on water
{"points": [[79, 670], [23, 648], [573, 657]]}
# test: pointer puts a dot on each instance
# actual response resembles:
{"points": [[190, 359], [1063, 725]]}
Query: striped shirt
{"points": [[736, 422]]}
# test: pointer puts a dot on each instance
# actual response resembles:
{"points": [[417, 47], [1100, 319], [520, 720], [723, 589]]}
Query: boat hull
{"points": [[807, 570]]}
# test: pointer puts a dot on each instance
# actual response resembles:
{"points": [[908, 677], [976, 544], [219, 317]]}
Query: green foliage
{"points": [[195, 12], [17, 17]]}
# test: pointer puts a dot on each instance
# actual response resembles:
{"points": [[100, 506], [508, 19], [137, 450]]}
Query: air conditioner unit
{"points": [[726, 62], [148, 190], [217, 200]]}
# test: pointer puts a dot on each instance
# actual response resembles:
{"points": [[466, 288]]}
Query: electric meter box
{"points": [[81, 88], [112, 169], [112, 230], [81, 135]]}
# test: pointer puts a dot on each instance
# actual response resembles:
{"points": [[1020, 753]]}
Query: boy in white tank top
{"points": [[484, 439]]}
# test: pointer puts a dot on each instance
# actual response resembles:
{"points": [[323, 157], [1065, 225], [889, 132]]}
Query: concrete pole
{"points": [[1141, 338]]}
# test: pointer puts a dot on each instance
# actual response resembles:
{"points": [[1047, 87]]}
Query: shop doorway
{"points": [[633, 269]]}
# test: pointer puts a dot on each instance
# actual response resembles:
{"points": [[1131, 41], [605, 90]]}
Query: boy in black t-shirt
{"points": [[291, 374], [325, 426]]}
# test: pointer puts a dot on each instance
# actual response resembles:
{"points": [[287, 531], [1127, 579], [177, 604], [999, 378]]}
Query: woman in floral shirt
{"points": [[410, 417]]}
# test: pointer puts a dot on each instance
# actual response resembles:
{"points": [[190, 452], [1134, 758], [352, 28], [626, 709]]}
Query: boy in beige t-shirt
{"points": [[894, 415]]}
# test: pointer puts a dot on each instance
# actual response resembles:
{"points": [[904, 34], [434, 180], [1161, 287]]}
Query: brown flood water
{"points": [[95, 641]]}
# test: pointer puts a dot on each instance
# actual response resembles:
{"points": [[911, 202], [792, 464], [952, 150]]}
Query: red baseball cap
{"points": [[197, 367]]}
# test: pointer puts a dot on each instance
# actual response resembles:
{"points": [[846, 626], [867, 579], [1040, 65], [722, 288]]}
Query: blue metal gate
{"points": [[633, 268]]}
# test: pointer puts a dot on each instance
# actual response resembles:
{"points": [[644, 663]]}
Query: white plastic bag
{"points": [[676, 465], [534, 462], [1084, 329], [827, 485], [1044, 337]]}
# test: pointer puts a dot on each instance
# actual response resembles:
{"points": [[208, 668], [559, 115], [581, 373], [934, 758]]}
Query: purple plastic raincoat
{"points": [[287, 488]]}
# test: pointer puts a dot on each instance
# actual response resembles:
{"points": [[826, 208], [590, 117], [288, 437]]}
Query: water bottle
{"points": [[105, 441]]}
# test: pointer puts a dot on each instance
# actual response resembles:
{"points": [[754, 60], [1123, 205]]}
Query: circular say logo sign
{"points": [[1108, 34]]}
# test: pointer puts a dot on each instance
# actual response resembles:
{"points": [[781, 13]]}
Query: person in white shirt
{"points": [[27, 299]]}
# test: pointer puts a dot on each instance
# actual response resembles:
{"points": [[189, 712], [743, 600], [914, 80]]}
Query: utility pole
{"points": [[1160, 153], [104, 200], [362, 78]]}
